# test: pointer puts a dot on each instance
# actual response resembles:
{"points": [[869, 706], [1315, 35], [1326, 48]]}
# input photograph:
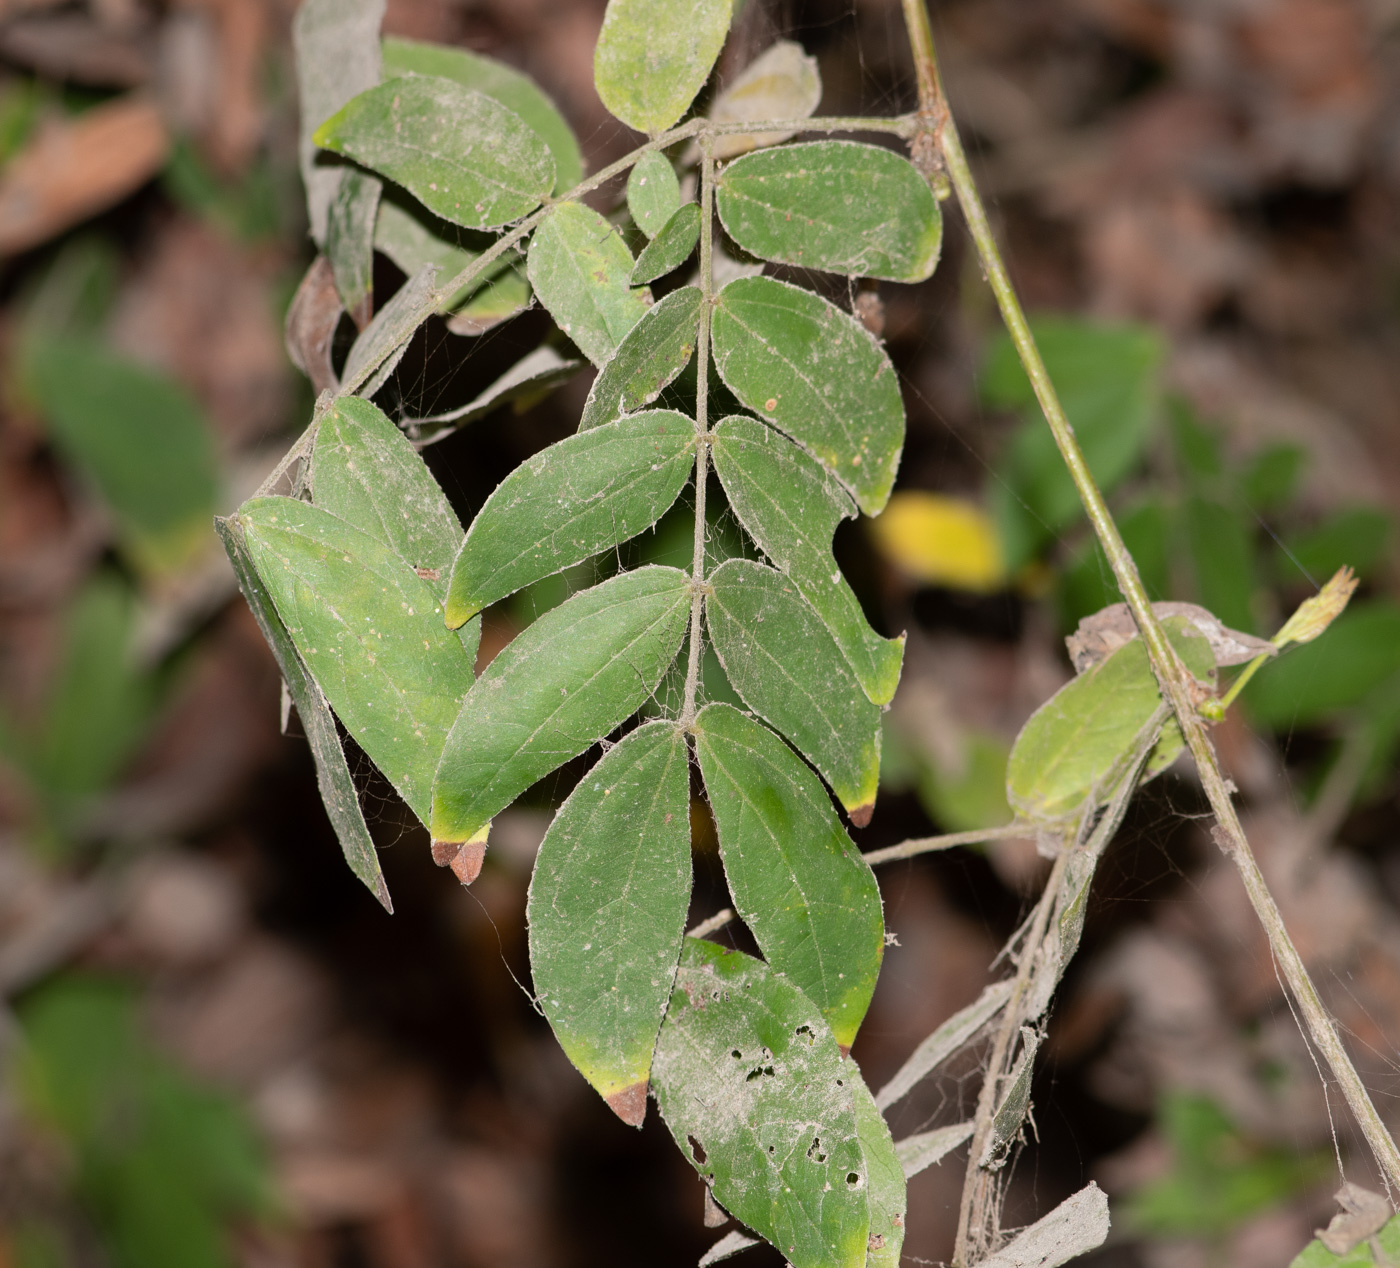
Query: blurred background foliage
{"points": [[217, 1050]]}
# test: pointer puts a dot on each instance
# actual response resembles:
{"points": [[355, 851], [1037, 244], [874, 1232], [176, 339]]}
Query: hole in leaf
{"points": [[815, 1151], [808, 1031], [737, 1055], [697, 1149], [760, 1072], [853, 1179]]}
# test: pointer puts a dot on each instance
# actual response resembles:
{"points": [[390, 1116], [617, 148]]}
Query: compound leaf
{"points": [[817, 374], [370, 630], [337, 48], [459, 152], [834, 205], [589, 492], [790, 504], [797, 879], [607, 911], [653, 192], [333, 779], [780, 83], [350, 241], [1074, 745], [364, 470], [754, 1089], [516, 92], [787, 668], [674, 241], [653, 56], [581, 269], [654, 352], [565, 682]]}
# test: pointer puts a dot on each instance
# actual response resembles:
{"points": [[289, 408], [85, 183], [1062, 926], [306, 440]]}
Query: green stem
{"points": [[702, 424], [1171, 676]]}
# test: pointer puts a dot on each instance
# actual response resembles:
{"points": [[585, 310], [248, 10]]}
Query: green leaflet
{"points": [[516, 92], [834, 205], [412, 237], [459, 152], [797, 879], [790, 504], [653, 56], [653, 192], [654, 352], [1074, 744], [757, 1095], [350, 241], [371, 632], [581, 269], [364, 471], [673, 243], [885, 1189], [566, 681], [332, 772], [337, 50], [788, 669], [607, 911], [589, 492], [816, 374]]}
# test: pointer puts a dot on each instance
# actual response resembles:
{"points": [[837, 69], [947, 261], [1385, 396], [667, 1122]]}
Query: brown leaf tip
{"points": [[630, 1104], [466, 867], [861, 815], [445, 851]]}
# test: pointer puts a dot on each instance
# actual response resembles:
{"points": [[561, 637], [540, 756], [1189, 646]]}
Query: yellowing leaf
{"points": [[941, 541]]}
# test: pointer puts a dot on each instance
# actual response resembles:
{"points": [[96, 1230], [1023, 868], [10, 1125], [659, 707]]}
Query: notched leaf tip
{"points": [[630, 1104]]}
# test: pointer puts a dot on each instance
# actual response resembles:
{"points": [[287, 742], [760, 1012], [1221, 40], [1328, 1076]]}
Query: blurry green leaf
{"points": [[1075, 744], [754, 1089], [99, 708], [1219, 1179], [787, 668], [1107, 381], [569, 679], [1087, 584], [791, 505], [1197, 446], [652, 354], [780, 83], [587, 493], [798, 881], [370, 630], [581, 269], [1222, 557], [459, 152], [1359, 536], [518, 93], [252, 207], [365, 471], [653, 192], [1271, 478], [817, 374], [607, 911], [653, 56], [138, 437], [21, 103], [350, 241], [834, 205], [164, 1167], [337, 51], [673, 243], [333, 779], [1359, 652], [971, 792]]}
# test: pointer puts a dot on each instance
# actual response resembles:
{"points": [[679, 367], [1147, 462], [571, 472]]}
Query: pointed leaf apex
{"points": [[1314, 615], [381, 892], [861, 814], [466, 867], [630, 1103]]}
